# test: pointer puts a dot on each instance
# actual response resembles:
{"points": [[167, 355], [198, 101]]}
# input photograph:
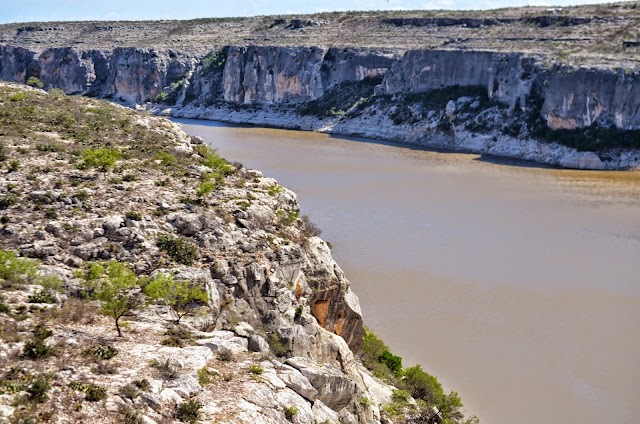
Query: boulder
{"points": [[258, 344], [322, 413], [334, 388], [297, 382], [243, 329], [216, 344], [185, 223]]}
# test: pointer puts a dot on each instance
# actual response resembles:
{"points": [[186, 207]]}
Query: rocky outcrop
{"points": [[273, 290], [583, 97]]}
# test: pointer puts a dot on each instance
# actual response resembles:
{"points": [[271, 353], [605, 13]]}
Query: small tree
{"points": [[181, 296], [116, 286], [102, 159]]}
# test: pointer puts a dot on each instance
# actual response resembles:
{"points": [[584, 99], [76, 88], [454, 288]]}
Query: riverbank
{"points": [[379, 126]]}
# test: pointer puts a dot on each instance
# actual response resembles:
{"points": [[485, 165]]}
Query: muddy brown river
{"points": [[517, 285]]}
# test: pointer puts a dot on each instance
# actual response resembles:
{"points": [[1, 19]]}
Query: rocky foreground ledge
{"points": [[231, 309]]}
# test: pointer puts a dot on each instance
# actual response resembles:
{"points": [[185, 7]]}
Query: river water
{"points": [[517, 285]]}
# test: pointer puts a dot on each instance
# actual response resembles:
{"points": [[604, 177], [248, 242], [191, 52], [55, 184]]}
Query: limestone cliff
{"points": [[529, 102], [277, 337]]}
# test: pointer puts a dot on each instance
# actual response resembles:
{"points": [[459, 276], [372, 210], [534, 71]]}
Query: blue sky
{"points": [[55, 10]]}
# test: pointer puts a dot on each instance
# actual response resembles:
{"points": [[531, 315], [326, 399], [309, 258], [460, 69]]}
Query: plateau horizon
{"points": [[71, 10]]}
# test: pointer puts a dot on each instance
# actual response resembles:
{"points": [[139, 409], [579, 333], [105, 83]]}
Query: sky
{"points": [[68, 10]]}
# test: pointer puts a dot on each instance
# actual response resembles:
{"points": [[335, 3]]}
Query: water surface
{"points": [[517, 285]]}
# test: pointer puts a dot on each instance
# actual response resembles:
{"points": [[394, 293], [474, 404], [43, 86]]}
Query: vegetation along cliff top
{"points": [[604, 35]]}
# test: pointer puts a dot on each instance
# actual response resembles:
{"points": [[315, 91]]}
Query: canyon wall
{"points": [[290, 77]]}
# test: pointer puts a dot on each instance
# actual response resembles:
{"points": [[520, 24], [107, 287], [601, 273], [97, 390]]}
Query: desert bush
{"points": [[205, 188], [8, 200], [133, 216], [255, 369], [142, 384], [14, 269], [423, 385], [128, 391], [102, 159], [211, 159], [37, 348], [188, 411], [165, 158], [290, 412], [104, 352], [92, 392], [178, 248], [34, 82], [38, 389], [277, 346]]}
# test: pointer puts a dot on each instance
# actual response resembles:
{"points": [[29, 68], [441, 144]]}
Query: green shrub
{"points": [[165, 158], [48, 148], [115, 286], [178, 248], [14, 165], [133, 216], [393, 362], [16, 270], [8, 200], [287, 217], [105, 352], [373, 348], [188, 411], [36, 349], [103, 159], [205, 188], [365, 402], [42, 296], [290, 412], [275, 189], [211, 159], [205, 376], [38, 388], [423, 385], [277, 346], [34, 82], [255, 369], [92, 392]]}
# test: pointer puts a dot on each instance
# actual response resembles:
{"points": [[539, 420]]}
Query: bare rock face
{"points": [[334, 389], [587, 96], [272, 74]]}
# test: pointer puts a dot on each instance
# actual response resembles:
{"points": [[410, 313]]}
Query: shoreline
{"points": [[496, 145]]}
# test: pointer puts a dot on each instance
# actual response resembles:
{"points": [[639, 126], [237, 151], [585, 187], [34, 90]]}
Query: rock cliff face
{"points": [[561, 98], [277, 307]]}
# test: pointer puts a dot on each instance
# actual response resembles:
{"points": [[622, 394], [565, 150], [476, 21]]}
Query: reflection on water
{"points": [[518, 285]]}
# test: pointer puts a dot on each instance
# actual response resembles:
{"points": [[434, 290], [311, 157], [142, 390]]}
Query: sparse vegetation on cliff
{"points": [[147, 257]]}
